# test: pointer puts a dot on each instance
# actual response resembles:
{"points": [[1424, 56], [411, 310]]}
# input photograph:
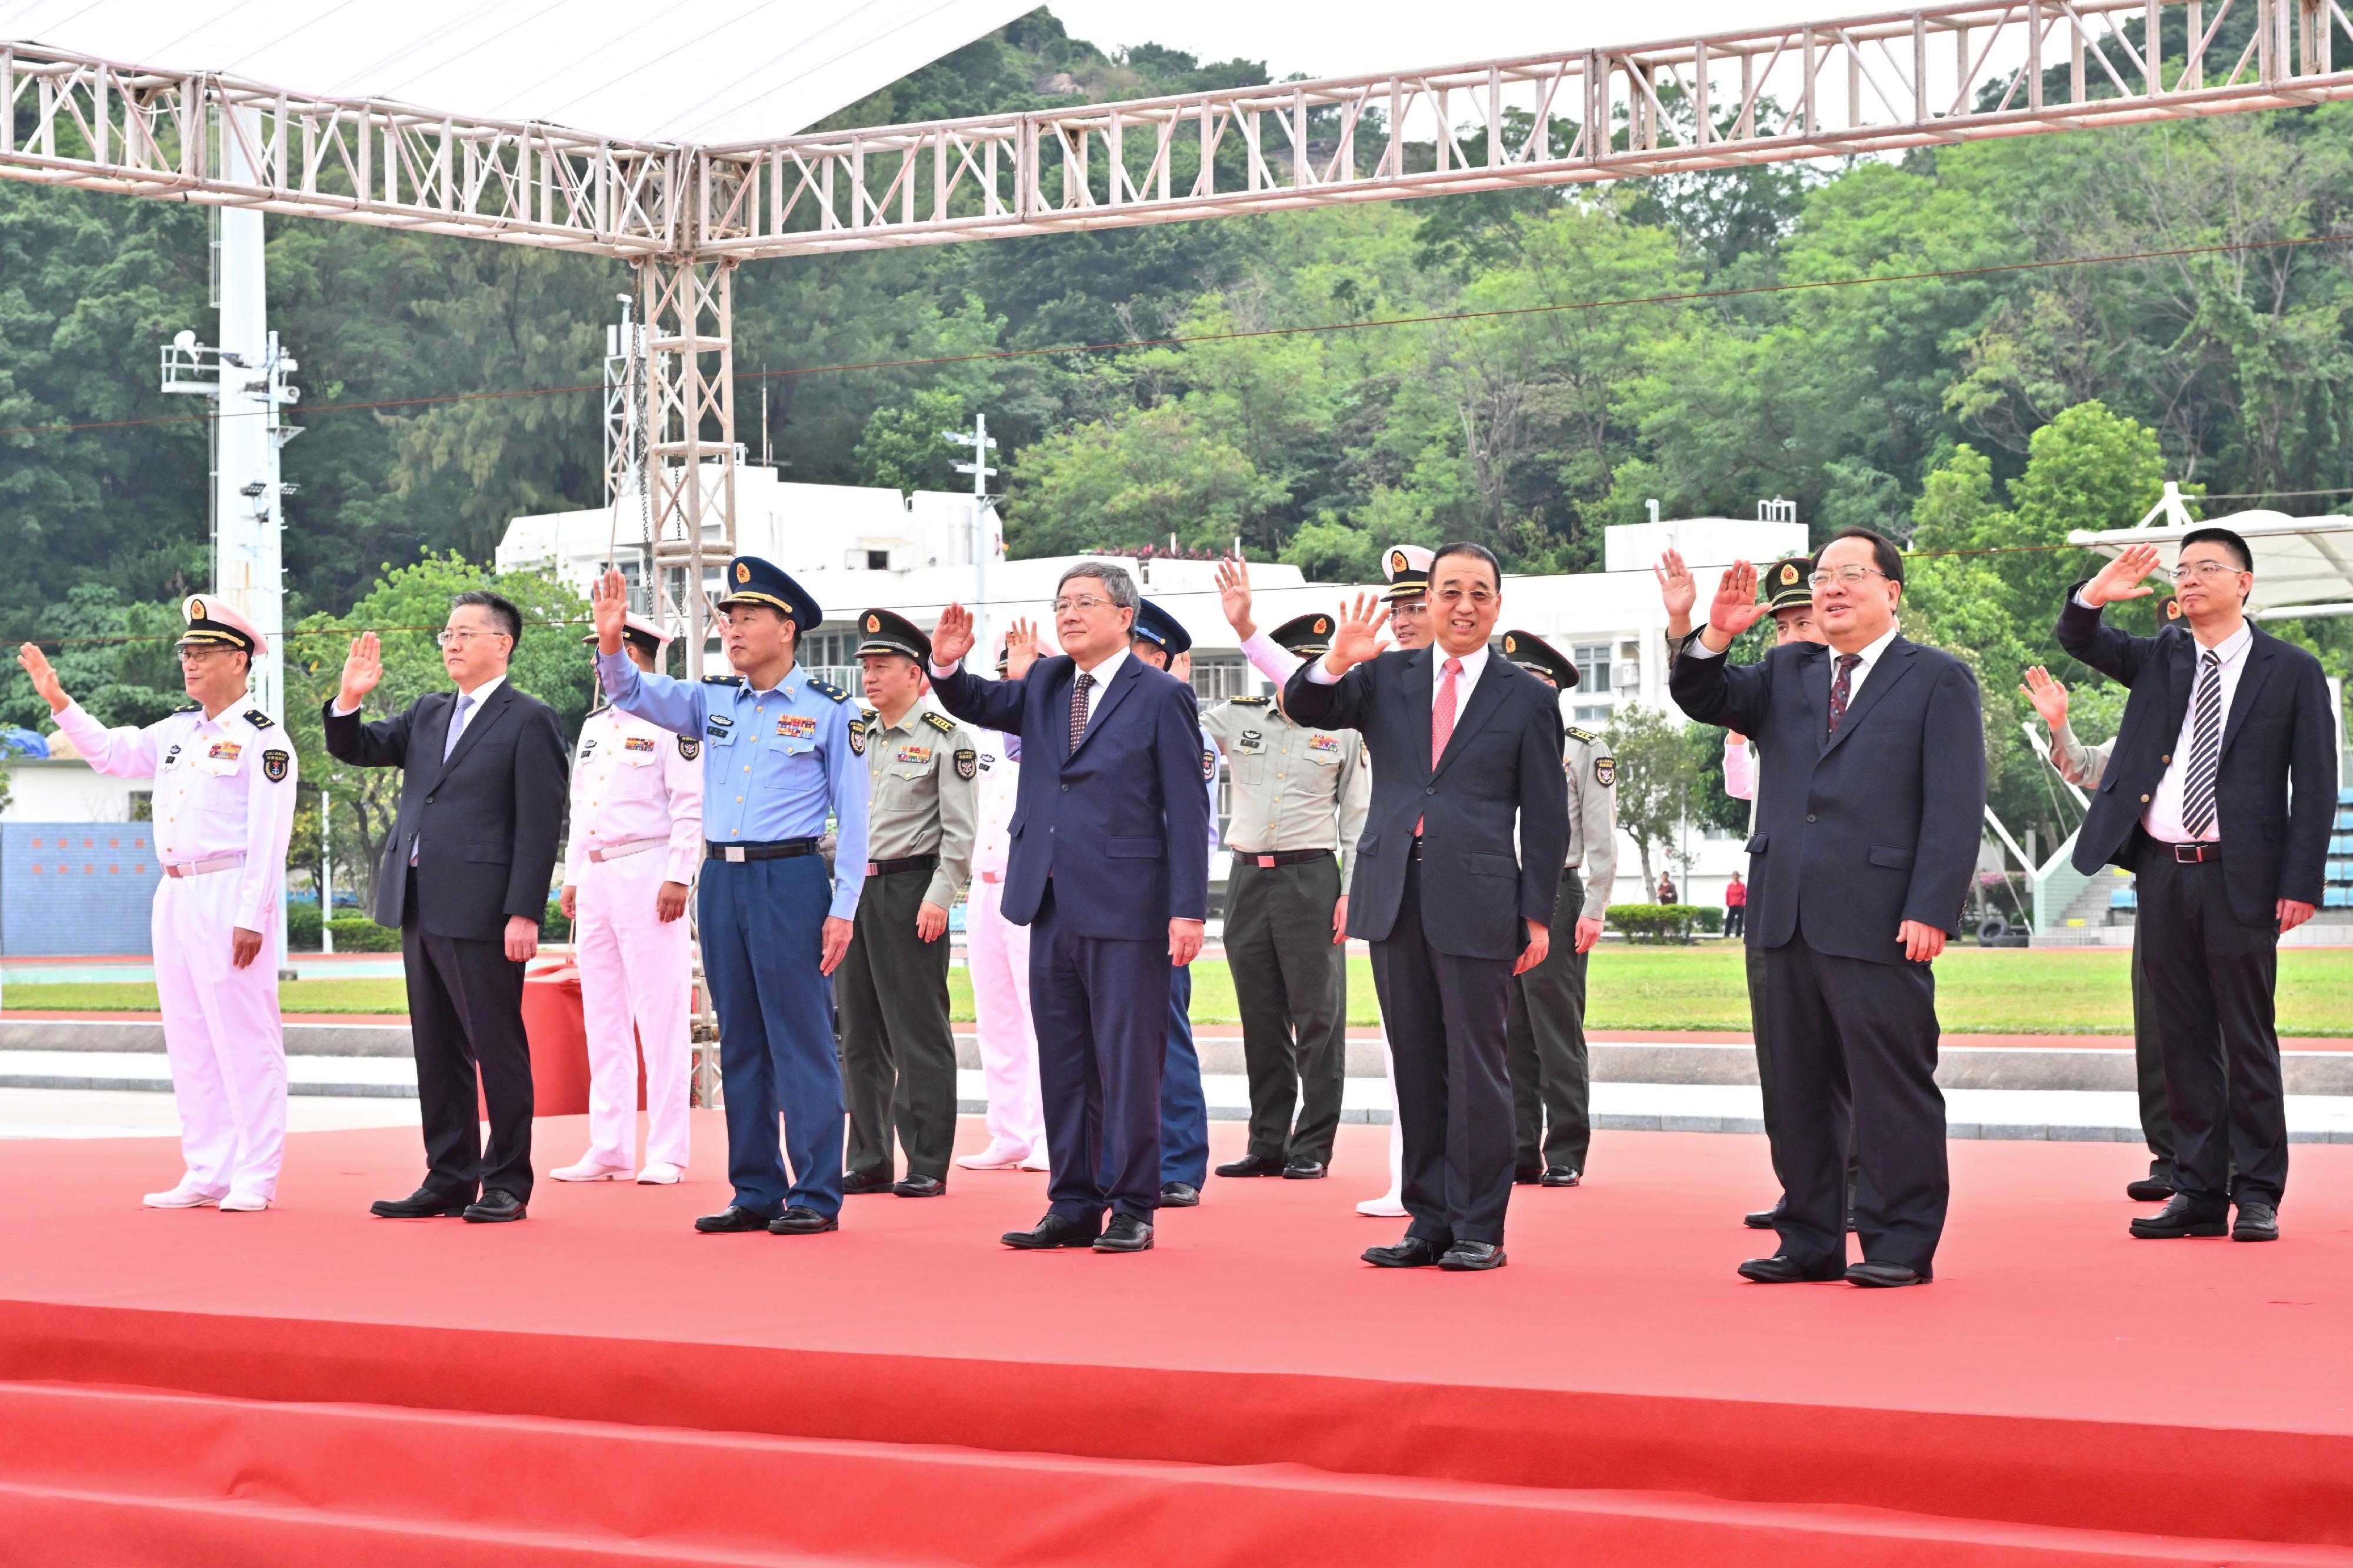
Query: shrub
{"points": [[355, 933], [301, 928], [1659, 922]]}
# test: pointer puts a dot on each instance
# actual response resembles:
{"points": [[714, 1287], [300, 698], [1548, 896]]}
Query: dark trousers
{"points": [[2209, 978], [1544, 1047], [1445, 1016], [1291, 984], [465, 1013], [763, 933], [898, 1048], [1101, 1006], [1842, 1100], [2148, 1067], [1877, 1022], [1184, 1104], [1735, 919]]}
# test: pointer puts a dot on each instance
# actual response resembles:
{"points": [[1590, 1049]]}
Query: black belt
{"points": [[1279, 857], [2191, 854], [907, 863], [775, 849]]}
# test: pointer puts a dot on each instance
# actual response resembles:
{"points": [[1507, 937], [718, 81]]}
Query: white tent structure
{"points": [[2303, 566]]}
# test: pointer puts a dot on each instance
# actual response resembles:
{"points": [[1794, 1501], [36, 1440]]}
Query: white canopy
{"points": [[2303, 566]]}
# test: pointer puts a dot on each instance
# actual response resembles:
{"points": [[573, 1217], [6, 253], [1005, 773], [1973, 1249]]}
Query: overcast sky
{"points": [[737, 70]]}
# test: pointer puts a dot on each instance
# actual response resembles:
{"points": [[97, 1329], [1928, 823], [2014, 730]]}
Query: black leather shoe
{"points": [[499, 1206], [735, 1216], [1780, 1270], [2257, 1222], [2148, 1189], [1179, 1196], [921, 1187], [1526, 1176], [1303, 1171], [1413, 1252], [1763, 1219], [1050, 1232], [1562, 1176], [853, 1184], [422, 1204], [2178, 1218], [1470, 1256], [1882, 1275], [1254, 1165], [801, 1220], [1126, 1233]]}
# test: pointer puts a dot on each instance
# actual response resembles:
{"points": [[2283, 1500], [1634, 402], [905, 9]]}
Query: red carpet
{"points": [[599, 1385]]}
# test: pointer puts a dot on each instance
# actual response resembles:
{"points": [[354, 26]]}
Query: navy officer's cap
{"points": [[752, 581], [1157, 626], [885, 631]]}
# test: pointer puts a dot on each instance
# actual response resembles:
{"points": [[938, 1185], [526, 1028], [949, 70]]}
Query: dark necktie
{"points": [[1079, 691], [1842, 687], [2205, 747]]}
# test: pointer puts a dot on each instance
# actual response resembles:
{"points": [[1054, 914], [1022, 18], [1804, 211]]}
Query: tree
{"points": [[1656, 775], [1133, 480]]}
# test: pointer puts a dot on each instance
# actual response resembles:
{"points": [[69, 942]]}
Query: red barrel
{"points": [[551, 1021]]}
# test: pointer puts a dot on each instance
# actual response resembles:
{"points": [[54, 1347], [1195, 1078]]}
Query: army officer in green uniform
{"points": [[897, 1051]]}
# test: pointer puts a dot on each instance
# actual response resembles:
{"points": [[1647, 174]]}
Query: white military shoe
{"points": [[244, 1203], [590, 1171], [995, 1157], [186, 1196], [661, 1174], [1383, 1207]]}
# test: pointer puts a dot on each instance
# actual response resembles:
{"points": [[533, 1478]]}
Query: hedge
{"points": [[1663, 922]]}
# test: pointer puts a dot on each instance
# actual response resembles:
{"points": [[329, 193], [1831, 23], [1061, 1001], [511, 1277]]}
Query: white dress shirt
{"points": [[1474, 664], [1872, 653], [2163, 819], [1103, 673]]}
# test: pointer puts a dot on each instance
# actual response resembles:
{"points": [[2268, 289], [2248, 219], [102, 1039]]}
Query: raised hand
{"points": [[362, 669], [1021, 649], [952, 636], [609, 601], [2049, 697], [1677, 591], [45, 679], [2122, 578], [1234, 594], [1735, 608], [1356, 637]]}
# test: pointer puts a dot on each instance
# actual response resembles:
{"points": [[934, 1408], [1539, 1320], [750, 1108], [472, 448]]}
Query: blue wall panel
{"points": [[75, 887]]}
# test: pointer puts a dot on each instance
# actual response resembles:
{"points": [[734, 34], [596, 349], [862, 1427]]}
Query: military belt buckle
{"points": [[734, 853], [873, 869]]}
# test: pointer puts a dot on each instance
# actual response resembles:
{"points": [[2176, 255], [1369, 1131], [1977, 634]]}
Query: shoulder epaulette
{"points": [[825, 689], [189, 708], [257, 719], [1247, 701], [940, 722], [1574, 733], [722, 681]]}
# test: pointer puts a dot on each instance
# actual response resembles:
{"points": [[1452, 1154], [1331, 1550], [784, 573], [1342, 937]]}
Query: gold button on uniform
{"points": [[2144, 800]]}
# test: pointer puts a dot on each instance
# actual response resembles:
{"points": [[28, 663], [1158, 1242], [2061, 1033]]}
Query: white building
{"points": [[857, 549], [68, 789]]}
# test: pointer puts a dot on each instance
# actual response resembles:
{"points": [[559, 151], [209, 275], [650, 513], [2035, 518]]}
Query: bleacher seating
{"points": [[2338, 893]]}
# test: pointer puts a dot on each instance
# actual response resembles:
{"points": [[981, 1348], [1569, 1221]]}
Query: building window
{"points": [[1219, 676], [878, 561], [1592, 715], [1592, 667]]}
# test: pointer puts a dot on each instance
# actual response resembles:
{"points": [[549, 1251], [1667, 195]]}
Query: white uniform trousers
{"points": [[999, 953], [223, 1035], [636, 971]]}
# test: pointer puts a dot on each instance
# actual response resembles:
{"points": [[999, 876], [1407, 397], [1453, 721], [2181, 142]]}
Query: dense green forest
{"points": [[1961, 413]]}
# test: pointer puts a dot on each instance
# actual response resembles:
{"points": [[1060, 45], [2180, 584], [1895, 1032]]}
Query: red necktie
{"points": [[1842, 687], [1441, 722]]}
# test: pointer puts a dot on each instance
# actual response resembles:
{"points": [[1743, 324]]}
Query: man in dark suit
{"points": [[1110, 868], [1867, 831], [1465, 749], [465, 879], [2227, 857]]}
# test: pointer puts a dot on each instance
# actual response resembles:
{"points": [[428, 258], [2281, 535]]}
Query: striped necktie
{"points": [[2205, 747]]}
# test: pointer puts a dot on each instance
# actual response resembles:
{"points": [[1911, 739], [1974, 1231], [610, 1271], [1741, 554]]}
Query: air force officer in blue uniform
{"points": [[1109, 870], [780, 752]]}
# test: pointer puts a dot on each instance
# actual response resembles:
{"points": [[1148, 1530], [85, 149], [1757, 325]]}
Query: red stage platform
{"points": [[599, 1385]]}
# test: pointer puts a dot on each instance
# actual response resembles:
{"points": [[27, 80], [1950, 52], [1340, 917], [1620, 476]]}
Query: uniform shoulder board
{"points": [[940, 722], [189, 708], [722, 681], [257, 719], [1587, 736], [824, 689], [1247, 701]]}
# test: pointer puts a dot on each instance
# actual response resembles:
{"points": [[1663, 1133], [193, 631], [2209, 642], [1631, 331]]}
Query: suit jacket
{"points": [[2279, 725], [1859, 831], [1121, 823], [491, 815], [1501, 771]]}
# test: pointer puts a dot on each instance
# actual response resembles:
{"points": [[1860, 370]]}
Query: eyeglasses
{"points": [[2206, 570], [1085, 604], [1479, 597], [461, 635], [1850, 575]]}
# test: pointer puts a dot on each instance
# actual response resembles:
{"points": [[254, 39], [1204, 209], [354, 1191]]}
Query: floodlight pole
{"points": [[978, 441]]}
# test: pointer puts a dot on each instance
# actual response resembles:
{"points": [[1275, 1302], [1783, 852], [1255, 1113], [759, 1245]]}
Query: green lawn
{"points": [[1979, 991]]}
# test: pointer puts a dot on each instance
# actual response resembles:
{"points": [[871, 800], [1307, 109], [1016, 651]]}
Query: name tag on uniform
{"points": [[797, 726], [915, 754]]}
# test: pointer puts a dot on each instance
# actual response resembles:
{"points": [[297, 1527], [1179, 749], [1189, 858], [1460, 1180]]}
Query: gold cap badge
{"points": [[1788, 572], [196, 610], [1511, 643], [1321, 625], [742, 572], [1397, 561], [873, 623]]}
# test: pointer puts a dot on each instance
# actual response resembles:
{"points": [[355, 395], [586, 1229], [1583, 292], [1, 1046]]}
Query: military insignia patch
{"points": [[1511, 643], [914, 757], [226, 751], [858, 736], [1321, 625], [273, 765], [1208, 765], [796, 726], [1605, 772], [1788, 573], [968, 763], [636, 743], [1252, 741], [1397, 561], [1318, 744], [257, 719], [688, 747], [196, 610], [742, 572], [873, 623], [2172, 609]]}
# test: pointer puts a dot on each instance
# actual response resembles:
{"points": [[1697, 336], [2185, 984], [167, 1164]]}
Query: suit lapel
{"points": [[2251, 681], [2182, 679], [1420, 683], [1130, 670], [1482, 703], [1814, 682], [1893, 666], [493, 706]]}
